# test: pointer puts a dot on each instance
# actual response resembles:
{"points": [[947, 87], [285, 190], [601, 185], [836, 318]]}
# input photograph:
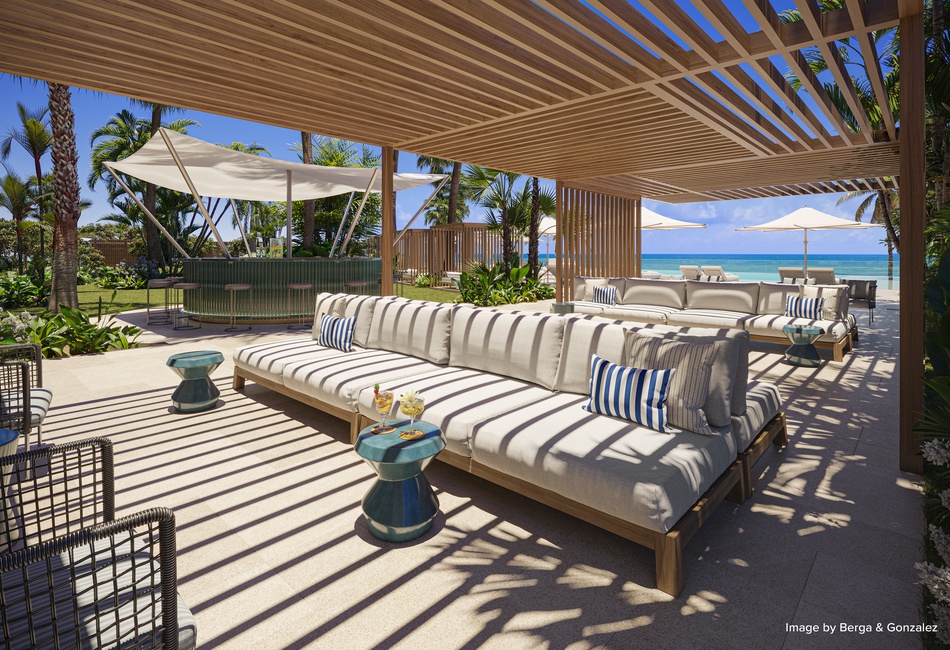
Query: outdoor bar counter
{"points": [[267, 301]]}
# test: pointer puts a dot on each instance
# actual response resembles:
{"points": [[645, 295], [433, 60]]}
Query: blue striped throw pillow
{"points": [[800, 307], [629, 393], [337, 332], [605, 295]]}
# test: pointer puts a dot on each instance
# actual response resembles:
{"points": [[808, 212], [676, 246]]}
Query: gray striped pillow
{"points": [[689, 385]]}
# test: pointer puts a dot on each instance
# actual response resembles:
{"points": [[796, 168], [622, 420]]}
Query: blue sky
{"points": [[94, 109]]}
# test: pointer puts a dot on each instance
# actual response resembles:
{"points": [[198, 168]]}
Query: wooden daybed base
{"points": [[735, 484], [838, 348]]}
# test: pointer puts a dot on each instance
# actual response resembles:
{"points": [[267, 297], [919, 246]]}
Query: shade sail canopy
{"points": [[810, 219], [225, 173], [806, 219], [650, 220]]}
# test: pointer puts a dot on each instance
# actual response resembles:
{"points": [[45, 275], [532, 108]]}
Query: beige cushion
{"points": [[638, 313], [582, 338], [457, 399], [589, 284], [708, 318], [269, 359], [772, 297], [720, 402], [660, 293], [580, 289], [764, 402], [615, 466], [689, 385], [330, 304], [836, 299], [338, 380], [361, 308], [585, 307], [726, 296], [514, 344], [771, 326], [417, 329]]}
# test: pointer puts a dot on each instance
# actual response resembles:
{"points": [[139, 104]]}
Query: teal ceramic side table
{"points": [[401, 504], [802, 351], [196, 392]]}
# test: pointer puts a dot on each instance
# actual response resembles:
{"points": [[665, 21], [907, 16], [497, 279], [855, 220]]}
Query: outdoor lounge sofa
{"points": [[756, 307], [507, 390]]}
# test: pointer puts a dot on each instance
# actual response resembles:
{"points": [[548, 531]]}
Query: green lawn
{"points": [[420, 293]]}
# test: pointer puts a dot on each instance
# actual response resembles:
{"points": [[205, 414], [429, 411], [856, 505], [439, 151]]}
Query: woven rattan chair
{"points": [[37, 397], [71, 575]]}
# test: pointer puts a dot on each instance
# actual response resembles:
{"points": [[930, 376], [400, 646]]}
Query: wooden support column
{"points": [[561, 268], [912, 196], [388, 231], [638, 248]]}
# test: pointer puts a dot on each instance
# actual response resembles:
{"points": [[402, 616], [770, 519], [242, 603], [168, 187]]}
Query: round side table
{"points": [[400, 505], [802, 351], [196, 392]]}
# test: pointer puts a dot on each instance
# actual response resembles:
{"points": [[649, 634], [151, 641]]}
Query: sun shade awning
{"points": [[224, 173]]}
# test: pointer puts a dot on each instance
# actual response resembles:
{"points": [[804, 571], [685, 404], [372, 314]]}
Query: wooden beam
{"points": [[388, 229], [873, 65], [913, 193]]}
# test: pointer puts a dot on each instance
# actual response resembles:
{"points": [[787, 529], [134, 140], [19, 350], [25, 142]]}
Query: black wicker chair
{"points": [[73, 576], [38, 398]]}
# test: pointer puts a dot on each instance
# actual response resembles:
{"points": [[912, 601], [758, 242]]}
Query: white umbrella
{"points": [[809, 219]]}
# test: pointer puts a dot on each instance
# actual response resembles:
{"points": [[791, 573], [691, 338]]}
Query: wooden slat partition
{"points": [[597, 236], [450, 247]]}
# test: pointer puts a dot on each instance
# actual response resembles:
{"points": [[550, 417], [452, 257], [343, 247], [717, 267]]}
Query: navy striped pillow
{"points": [[629, 393], [337, 332], [605, 295], [800, 307]]}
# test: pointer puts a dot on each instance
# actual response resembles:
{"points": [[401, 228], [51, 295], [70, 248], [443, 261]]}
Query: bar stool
{"points": [[300, 306], [356, 285], [232, 288], [181, 316], [173, 296], [157, 283]]}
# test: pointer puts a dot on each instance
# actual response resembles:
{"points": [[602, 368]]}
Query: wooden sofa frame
{"points": [[735, 484]]}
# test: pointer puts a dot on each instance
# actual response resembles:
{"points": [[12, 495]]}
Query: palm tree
{"points": [[534, 234], [495, 191], [881, 204], [309, 206], [66, 200], [151, 231], [19, 199], [34, 137], [453, 212]]}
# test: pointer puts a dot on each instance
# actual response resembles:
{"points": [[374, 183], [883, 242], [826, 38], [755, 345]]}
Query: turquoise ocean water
{"points": [[764, 267]]}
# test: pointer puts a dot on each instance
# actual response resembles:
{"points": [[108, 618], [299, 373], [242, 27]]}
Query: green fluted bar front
{"points": [[267, 299]]}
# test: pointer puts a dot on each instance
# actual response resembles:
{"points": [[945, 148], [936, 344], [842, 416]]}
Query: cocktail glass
{"points": [[412, 408], [384, 406]]}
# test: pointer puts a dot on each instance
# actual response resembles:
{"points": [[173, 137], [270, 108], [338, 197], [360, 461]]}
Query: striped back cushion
{"points": [[337, 332], [629, 393], [801, 307], [690, 384], [605, 295]]}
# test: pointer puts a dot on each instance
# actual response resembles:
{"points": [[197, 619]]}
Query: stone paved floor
{"points": [[274, 553]]}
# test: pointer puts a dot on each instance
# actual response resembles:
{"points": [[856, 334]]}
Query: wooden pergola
{"points": [[613, 103]]}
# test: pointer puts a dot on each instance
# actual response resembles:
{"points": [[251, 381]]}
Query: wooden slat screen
{"points": [[440, 249], [597, 237]]}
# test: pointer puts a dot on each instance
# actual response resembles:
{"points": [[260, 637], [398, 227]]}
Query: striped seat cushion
{"points": [[337, 332], [605, 295], [801, 307], [634, 394]]}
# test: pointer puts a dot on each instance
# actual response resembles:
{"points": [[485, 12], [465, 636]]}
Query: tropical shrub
{"points": [[487, 286], [68, 333], [422, 280], [129, 276], [21, 291]]}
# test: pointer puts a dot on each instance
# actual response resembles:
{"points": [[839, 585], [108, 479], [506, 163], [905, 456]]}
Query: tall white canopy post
{"points": [[419, 211], [148, 214], [290, 214], [194, 192], [359, 211], [237, 219], [339, 230]]}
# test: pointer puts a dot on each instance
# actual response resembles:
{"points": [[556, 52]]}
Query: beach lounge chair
{"points": [[717, 272], [822, 275], [690, 272], [788, 274]]}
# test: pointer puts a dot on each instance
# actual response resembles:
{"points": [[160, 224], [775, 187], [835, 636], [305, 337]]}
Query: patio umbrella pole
{"points": [[419, 211], [147, 213], [339, 231], [359, 211], [806, 252], [237, 218], [194, 191]]}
